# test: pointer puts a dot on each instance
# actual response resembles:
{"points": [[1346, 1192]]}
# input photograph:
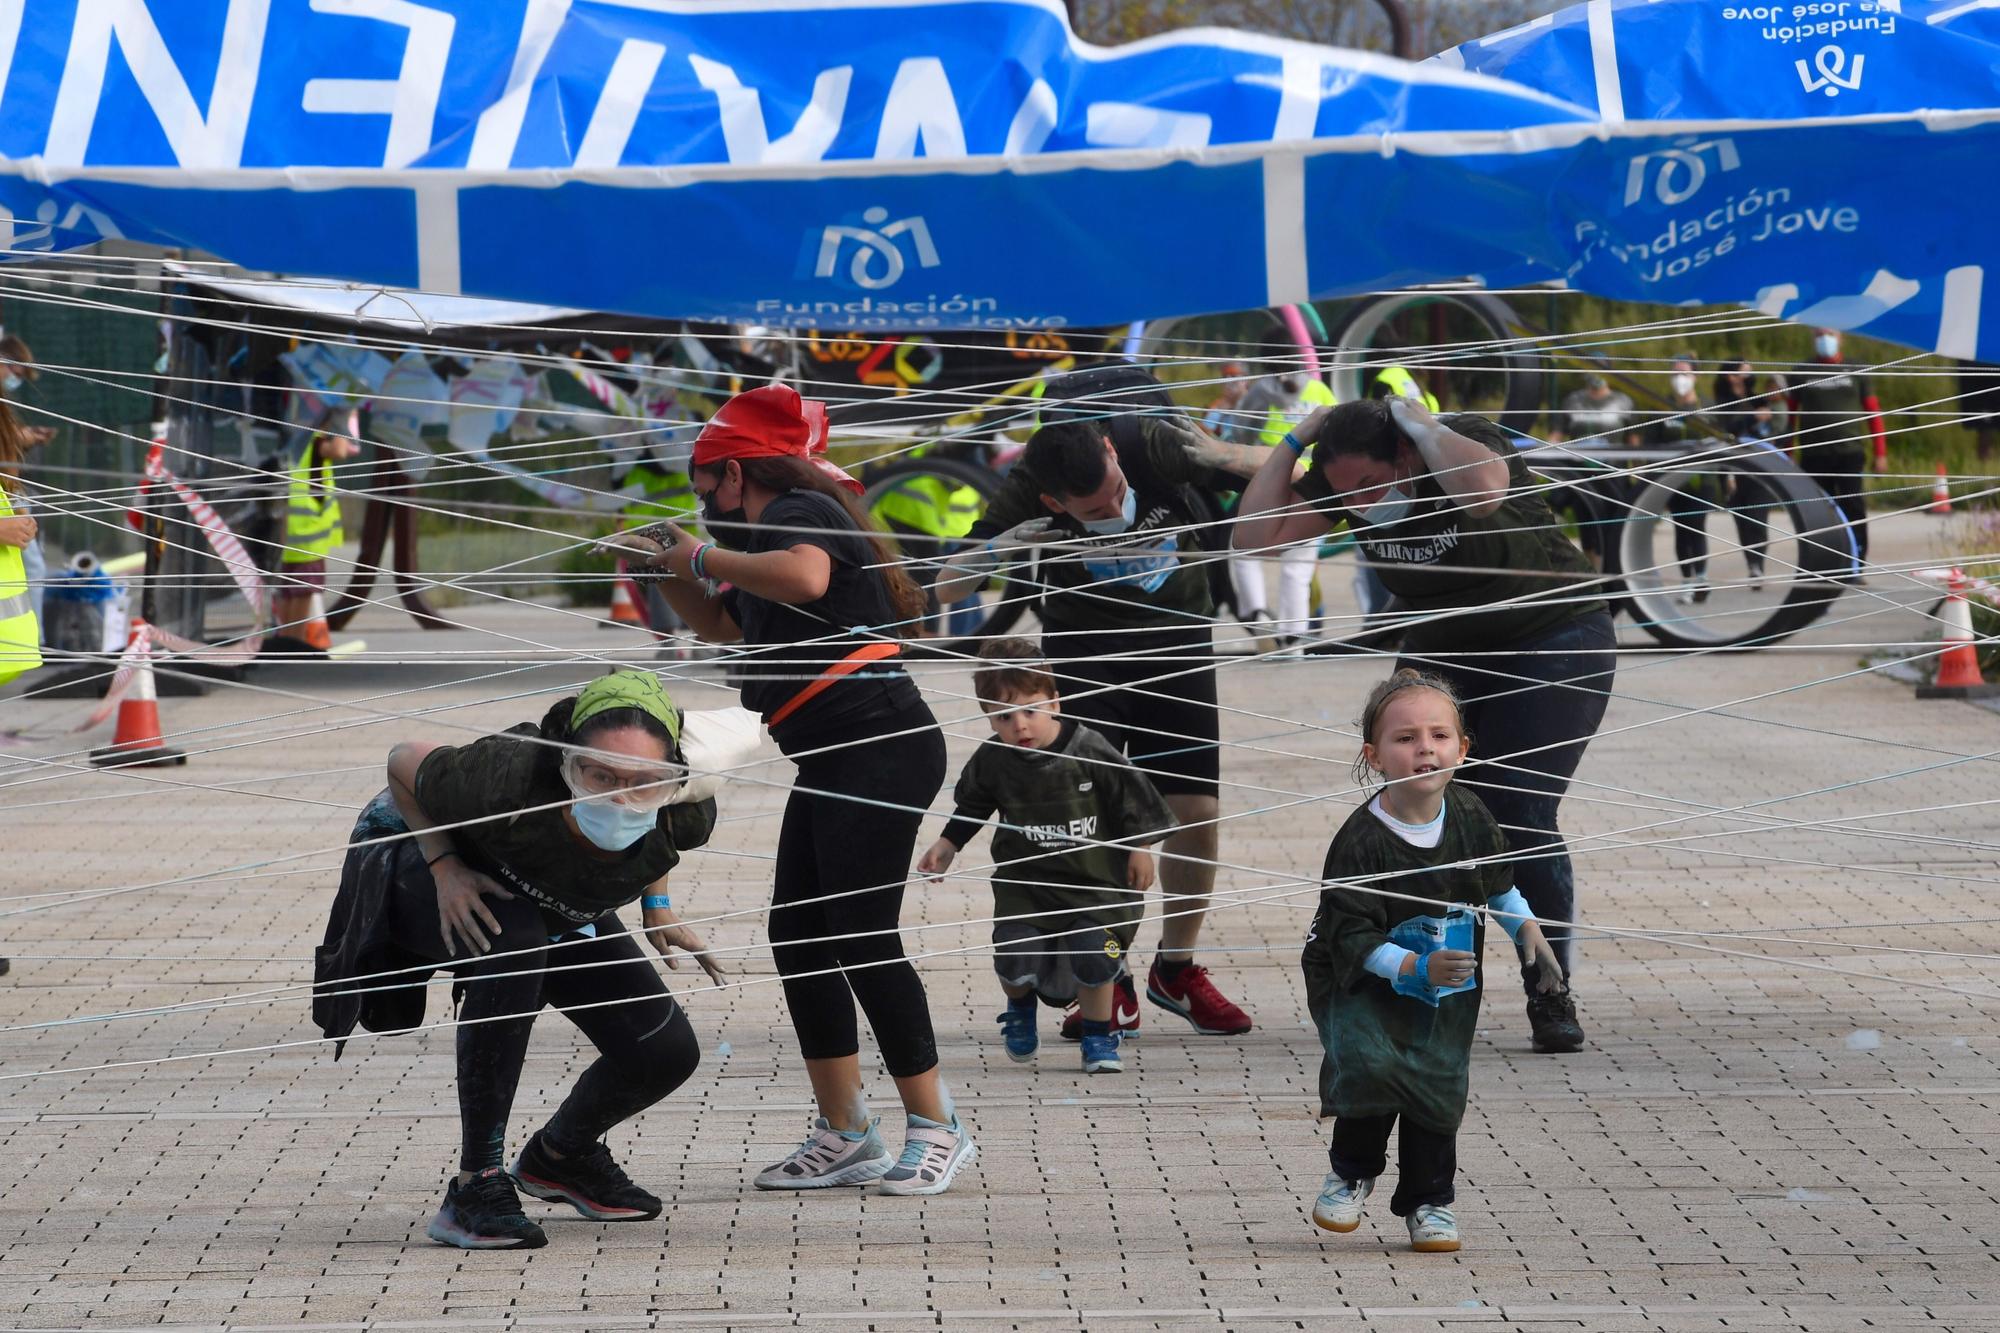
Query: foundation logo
{"points": [[877, 261], [1830, 70], [1675, 175]]}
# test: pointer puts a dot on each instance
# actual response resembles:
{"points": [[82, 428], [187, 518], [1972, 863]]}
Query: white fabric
{"points": [[1387, 960], [714, 743], [1511, 910], [1417, 835], [1296, 566], [1246, 576]]}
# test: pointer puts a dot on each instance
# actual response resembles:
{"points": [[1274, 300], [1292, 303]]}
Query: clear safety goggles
{"points": [[595, 776]]}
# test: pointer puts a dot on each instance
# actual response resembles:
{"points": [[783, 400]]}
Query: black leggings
{"points": [[1427, 1160], [645, 1047], [849, 837]]}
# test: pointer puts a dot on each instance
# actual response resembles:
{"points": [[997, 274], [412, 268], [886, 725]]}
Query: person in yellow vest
{"points": [[929, 516], [312, 531], [1398, 382], [1286, 400], [655, 489], [20, 631]]}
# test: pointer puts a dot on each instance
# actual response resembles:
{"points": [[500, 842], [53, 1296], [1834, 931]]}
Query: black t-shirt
{"points": [[1679, 424], [534, 853], [792, 645], [1830, 417], [1057, 807], [1138, 580], [1440, 558]]}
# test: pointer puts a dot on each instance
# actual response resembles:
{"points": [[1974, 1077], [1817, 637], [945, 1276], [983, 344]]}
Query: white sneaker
{"points": [[828, 1158], [932, 1155], [1433, 1229], [1338, 1207]]}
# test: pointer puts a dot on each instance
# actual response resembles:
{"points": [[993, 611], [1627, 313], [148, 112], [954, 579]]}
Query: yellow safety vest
{"points": [[1279, 420], [1403, 384], [20, 632], [930, 505], [668, 495], [312, 526]]}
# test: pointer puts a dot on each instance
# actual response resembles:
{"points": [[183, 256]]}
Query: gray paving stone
{"points": [[1717, 1158]]}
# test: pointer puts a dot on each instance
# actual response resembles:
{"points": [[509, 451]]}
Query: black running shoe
{"points": [[590, 1182], [5, 967], [484, 1213], [1553, 1019]]}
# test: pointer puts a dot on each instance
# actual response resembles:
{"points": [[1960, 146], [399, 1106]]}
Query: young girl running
{"points": [[1392, 961]]}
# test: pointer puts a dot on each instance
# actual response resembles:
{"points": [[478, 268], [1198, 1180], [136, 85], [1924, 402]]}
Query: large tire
{"points": [[1810, 551], [1362, 337], [1009, 606]]}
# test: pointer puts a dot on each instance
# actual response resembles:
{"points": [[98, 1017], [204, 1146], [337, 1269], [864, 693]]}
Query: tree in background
{"points": [[1359, 24]]}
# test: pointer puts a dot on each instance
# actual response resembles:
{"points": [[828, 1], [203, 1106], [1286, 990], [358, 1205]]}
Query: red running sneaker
{"points": [[1124, 1012], [1194, 997]]}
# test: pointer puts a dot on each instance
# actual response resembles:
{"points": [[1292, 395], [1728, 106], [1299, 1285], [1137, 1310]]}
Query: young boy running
{"points": [[1065, 902]]}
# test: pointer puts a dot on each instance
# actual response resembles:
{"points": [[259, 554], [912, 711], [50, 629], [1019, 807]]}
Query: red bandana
{"points": [[771, 422]]}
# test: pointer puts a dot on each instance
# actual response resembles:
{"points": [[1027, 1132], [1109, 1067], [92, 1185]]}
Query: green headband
{"points": [[627, 689]]}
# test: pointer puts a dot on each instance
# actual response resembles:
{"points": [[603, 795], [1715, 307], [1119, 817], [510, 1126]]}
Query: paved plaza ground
{"points": [[1748, 1141]]}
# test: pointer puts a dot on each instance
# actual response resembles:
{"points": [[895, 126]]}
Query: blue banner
{"points": [[921, 164]]}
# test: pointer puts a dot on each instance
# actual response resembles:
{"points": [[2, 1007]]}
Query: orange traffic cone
{"points": [[315, 632], [1941, 494], [137, 741], [1958, 666], [624, 606]]}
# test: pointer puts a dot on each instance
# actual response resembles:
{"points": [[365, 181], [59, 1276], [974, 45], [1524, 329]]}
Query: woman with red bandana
{"points": [[823, 606]]}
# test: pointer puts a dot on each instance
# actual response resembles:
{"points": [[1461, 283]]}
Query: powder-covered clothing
{"points": [[1385, 1051]]}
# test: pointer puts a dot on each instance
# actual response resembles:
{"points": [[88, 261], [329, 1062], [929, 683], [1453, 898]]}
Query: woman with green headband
{"points": [[506, 861]]}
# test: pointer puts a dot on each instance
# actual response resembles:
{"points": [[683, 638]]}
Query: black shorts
{"points": [[1057, 958], [1159, 708]]}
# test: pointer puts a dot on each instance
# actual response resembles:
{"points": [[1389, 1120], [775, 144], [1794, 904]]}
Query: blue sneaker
{"points": [[1018, 1027], [1100, 1054]]}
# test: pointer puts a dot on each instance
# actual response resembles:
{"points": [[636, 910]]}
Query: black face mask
{"points": [[725, 526]]}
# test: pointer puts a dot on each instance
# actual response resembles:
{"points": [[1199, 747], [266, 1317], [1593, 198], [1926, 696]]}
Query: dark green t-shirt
{"points": [[1440, 558], [1150, 577], [535, 854], [1827, 398], [1053, 804], [1384, 1051]]}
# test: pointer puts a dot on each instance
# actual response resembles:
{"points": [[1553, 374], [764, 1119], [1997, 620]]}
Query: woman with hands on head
{"points": [[1502, 606], [506, 861]]}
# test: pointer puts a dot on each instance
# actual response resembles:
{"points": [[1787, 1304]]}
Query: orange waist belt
{"points": [[848, 665]]}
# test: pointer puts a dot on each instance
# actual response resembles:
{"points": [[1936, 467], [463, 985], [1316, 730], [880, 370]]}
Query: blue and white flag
{"points": [[970, 164]]}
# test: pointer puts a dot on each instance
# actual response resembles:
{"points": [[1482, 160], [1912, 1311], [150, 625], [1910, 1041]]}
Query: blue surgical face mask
{"points": [[12, 384], [1827, 346], [612, 825], [1393, 507], [1111, 527]]}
